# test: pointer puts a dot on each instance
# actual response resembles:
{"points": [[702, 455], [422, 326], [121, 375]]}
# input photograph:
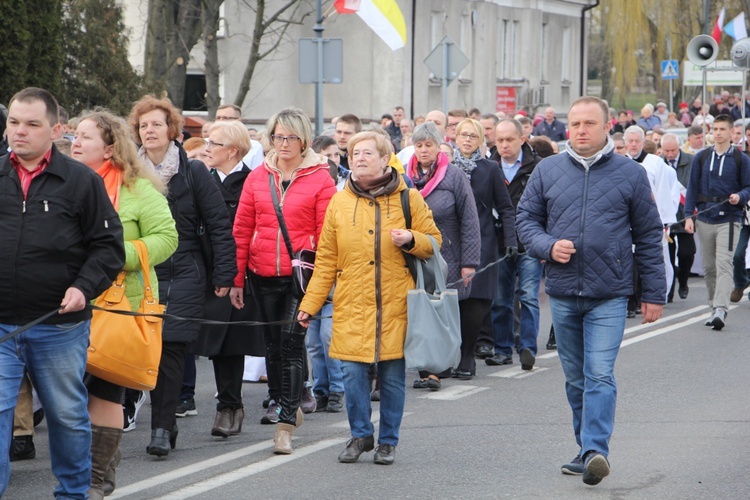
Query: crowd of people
{"points": [[604, 207]]}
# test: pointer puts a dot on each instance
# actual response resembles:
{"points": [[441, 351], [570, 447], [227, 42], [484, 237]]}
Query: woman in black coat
{"points": [[228, 142], [193, 199], [490, 192]]}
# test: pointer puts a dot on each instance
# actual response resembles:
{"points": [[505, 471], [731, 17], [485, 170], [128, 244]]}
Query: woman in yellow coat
{"points": [[361, 250]]}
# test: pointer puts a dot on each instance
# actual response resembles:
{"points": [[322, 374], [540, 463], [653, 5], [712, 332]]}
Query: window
{"points": [[465, 43], [195, 93], [545, 52], [565, 58], [502, 46]]}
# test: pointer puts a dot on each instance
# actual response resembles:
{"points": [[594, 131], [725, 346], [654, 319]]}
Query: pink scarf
{"points": [[434, 177]]}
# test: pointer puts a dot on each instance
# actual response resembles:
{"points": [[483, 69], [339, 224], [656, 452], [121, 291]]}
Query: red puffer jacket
{"points": [[260, 245]]}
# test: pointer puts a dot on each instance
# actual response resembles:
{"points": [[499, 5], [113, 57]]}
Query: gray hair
{"points": [[426, 131], [670, 137], [635, 129]]}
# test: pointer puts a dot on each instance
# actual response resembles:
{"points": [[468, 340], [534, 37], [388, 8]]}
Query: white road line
{"points": [[517, 372], [131, 489], [250, 470], [454, 392]]}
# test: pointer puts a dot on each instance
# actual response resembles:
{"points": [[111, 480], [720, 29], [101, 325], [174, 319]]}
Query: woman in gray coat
{"points": [[448, 194]]}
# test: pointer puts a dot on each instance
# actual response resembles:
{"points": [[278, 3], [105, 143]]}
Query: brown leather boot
{"points": [[109, 477], [237, 418], [282, 441], [104, 444], [223, 423]]}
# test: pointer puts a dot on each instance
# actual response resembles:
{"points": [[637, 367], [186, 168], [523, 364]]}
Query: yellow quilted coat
{"points": [[356, 253]]}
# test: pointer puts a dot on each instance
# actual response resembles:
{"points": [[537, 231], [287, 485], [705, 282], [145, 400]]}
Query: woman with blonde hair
{"points": [[362, 249], [198, 209], [293, 182], [227, 144], [103, 143], [490, 193]]}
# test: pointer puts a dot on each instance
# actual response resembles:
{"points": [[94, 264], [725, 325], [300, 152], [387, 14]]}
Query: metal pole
{"points": [[671, 82], [318, 29], [703, 103], [446, 65], [744, 136]]}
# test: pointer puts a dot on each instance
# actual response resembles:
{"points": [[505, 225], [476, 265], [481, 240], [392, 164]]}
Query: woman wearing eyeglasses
{"points": [[490, 193], [303, 187]]}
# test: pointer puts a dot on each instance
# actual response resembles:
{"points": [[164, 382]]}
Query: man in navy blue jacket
{"points": [[719, 187], [581, 212]]}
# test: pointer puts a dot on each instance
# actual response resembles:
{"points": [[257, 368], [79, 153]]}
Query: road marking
{"points": [[454, 392], [517, 372], [250, 470], [131, 489]]}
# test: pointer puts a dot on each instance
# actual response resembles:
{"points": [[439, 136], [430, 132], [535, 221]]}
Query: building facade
{"points": [[522, 54]]}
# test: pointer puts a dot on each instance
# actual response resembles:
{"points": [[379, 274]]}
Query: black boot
{"points": [[551, 343], [292, 383]]}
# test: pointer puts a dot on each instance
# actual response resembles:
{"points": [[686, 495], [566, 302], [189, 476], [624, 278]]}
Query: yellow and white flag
{"points": [[382, 16]]}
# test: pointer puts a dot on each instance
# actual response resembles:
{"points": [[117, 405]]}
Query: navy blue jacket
{"points": [[604, 211], [718, 182], [555, 131]]}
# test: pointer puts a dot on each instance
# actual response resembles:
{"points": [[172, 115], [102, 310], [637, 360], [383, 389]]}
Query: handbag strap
{"points": [[280, 216], [142, 250], [201, 229]]}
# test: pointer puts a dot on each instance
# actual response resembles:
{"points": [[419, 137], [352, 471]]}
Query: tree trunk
{"points": [[210, 19], [155, 59], [252, 60]]}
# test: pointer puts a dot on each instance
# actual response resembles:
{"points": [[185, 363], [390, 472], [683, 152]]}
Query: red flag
{"points": [[347, 6], [716, 33]]}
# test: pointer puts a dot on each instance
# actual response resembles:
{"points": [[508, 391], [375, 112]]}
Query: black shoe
{"points": [[334, 402], [527, 359], [630, 315], [186, 408], [307, 402], [484, 352], [355, 447], [552, 342], [670, 299], [595, 468], [683, 291], [162, 440], [499, 360], [574, 467], [22, 448], [267, 401], [38, 416], [385, 454], [462, 374], [434, 384], [420, 384], [321, 402]]}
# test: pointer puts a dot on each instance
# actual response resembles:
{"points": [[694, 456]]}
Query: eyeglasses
{"points": [[211, 144], [473, 137], [226, 118], [290, 139]]}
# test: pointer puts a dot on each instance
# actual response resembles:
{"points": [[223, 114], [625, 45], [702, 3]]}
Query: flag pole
{"points": [[318, 29]]}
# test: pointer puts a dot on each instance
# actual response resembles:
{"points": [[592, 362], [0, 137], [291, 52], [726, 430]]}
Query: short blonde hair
{"points": [[468, 122], [382, 144], [295, 121], [234, 135]]}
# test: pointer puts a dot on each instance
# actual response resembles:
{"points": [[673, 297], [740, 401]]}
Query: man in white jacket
{"points": [[664, 185]]}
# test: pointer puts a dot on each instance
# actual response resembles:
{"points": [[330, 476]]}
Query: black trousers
{"points": [[473, 312], [165, 395], [285, 345], [683, 248], [189, 375], [228, 371]]}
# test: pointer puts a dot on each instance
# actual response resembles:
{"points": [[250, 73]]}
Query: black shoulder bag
{"points": [[205, 240], [303, 262]]}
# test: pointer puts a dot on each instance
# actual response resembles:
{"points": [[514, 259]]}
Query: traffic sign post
{"points": [[446, 61], [670, 71]]}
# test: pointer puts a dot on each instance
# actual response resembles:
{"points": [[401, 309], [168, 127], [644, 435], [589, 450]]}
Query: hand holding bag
{"points": [[303, 262], [433, 333], [126, 350]]}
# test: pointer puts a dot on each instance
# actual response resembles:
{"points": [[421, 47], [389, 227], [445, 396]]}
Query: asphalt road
{"points": [[682, 432]]}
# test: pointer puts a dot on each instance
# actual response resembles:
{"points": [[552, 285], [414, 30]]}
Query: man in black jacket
{"points": [[517, 161], [62, 246]]}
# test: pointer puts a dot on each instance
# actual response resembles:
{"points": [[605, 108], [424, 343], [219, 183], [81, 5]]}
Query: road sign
{"points": [[455, 60], [670, 70], [721, 72], [333, 60]]}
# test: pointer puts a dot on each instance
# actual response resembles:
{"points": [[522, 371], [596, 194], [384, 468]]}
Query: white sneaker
{"points": [[717, 320], [129, 423]]}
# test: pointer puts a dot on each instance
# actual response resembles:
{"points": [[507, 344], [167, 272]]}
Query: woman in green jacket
{"points": [[102, 142]]}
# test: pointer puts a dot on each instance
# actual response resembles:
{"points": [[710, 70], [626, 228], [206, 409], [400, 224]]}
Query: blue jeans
{"points": [[740, 275], [529, 272], [589, 333], [327, 373], [392, 376], [55, 358]]}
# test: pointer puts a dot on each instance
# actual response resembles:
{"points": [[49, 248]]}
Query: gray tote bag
{"points": [[433, 334]]}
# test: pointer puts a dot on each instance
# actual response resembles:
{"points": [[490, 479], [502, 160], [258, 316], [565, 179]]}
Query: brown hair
{"points": [[31, 94], [593, 100], [149, 103]]}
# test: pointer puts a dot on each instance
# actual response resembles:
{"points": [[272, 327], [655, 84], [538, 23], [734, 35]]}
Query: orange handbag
{"points": [[126, 350]]}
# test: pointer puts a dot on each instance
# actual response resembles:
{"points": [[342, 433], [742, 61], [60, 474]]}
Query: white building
{"points": [[523, 53]]}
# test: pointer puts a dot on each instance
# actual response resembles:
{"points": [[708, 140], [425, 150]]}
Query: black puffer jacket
{"points": [[182, 278]]}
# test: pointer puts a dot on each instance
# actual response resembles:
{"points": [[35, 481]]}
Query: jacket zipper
{"points": [[583, 223], [378, 291]]}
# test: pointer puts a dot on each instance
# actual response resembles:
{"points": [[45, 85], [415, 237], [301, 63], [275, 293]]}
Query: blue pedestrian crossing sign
{"points": [[669, 70]]}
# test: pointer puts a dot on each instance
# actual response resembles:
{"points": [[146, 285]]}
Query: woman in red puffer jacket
{"points": [[303, 187]]}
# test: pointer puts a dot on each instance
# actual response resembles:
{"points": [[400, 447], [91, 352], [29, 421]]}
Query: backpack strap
{"points": [[406, 207]]}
